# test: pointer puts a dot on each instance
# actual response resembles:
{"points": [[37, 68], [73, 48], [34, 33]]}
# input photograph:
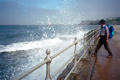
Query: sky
{"points": [[36, 12]]}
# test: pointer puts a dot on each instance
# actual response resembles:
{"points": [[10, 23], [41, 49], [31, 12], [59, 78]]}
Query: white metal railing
{"points": [[49, 58], [84, 50]]}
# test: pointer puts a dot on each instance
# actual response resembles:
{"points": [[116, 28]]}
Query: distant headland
{"points": [[112, 20]]}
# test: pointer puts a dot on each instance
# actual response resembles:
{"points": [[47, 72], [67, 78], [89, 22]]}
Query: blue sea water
{"points": [[23, 46]]}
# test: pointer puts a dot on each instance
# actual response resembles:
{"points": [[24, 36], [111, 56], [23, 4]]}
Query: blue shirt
{"points": [[104, 31]]}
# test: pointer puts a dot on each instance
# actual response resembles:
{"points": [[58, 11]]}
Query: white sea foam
{"points": [[30, 45], [79, 35], [48, 43]]}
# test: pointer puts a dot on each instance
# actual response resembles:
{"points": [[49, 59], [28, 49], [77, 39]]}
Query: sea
{"points": [[24, 46]]}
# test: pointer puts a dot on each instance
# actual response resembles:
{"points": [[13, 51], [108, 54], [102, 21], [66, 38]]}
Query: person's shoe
{"points": [[109, 56]]}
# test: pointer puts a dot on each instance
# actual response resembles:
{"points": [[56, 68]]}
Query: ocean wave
{"points": [[48, 43], [30, 45], [79, 35]]}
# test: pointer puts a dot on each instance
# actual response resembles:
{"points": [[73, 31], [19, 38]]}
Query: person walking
{"points": [[104, 37]]}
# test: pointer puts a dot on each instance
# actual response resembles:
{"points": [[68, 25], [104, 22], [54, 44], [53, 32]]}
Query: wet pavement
{"points": [[108, 68]]}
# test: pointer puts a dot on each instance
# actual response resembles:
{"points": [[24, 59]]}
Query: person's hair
{"points": [[102, 21]]}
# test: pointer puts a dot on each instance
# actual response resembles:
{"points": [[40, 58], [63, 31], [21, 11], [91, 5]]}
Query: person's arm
{"points": [[107, 37], [97, 37]]}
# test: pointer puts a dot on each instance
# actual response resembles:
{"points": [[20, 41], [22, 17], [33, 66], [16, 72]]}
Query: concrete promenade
{"points": [[108, 68], [100, 68]]}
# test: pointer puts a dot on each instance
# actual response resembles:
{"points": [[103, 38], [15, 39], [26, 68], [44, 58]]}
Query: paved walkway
{"points": [[108, 68]]}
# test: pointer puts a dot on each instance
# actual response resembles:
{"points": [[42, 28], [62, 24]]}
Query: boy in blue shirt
{"points": [[104, 36]]}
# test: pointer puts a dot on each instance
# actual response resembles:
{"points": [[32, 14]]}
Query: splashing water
{"points": [[24, 47]]}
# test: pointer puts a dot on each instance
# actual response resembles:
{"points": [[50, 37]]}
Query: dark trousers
{"points": [[106, 45]]}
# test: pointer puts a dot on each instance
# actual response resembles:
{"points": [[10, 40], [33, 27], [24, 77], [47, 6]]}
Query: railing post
{"points": [[75, 53], [84, 46], [94, 37], [48, 77]]}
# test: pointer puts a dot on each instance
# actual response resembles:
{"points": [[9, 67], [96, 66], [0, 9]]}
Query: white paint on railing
{"points": [[75, 53], [48, 76], [63, 66]]}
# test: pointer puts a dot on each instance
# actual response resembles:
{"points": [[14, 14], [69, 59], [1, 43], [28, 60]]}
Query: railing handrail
{"points": [[47, 60], [52, 57], [32, 70], [78, 61]]}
